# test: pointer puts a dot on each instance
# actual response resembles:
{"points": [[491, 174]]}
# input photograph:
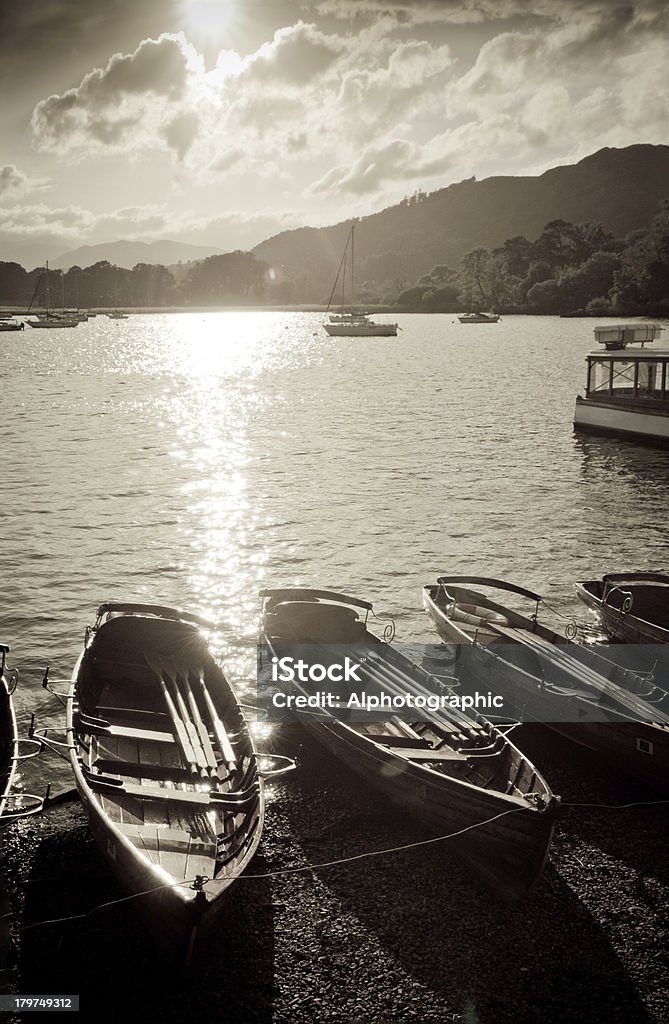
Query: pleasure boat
{"points": [[347, 323], [627, 385], [478, 318]]}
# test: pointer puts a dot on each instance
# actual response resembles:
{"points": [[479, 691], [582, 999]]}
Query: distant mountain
{"points": [[617, 188], [128, 254]]}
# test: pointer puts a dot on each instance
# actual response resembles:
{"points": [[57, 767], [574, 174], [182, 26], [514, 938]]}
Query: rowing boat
{"points": [[632, 607], [573, 688], [457, 773], [8, 733], [165, 766]]}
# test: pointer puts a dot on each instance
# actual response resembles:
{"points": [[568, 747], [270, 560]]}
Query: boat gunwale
{"points": [[291, 594], [489, 581], [152, 610], [12, 762]]}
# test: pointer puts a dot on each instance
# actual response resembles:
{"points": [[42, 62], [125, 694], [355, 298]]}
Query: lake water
{"points": [[191, 459]]}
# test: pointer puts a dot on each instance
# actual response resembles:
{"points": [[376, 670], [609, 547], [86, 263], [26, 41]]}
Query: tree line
{"points": [[569, 268], [232, 278]]}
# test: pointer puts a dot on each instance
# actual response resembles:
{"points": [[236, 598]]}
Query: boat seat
{"points": [[389, 740], [157, 772], [412, 754], [108, 713], [167, 835], [99, 727], [231, 801]]}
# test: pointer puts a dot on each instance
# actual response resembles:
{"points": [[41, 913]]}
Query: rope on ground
{"points": [[270, 874], [330, 863], [618, 807]]}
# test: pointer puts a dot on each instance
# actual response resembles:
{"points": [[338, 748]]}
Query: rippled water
{"points": [[191, 459]]}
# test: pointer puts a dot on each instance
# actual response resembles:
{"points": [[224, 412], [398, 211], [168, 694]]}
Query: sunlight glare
{"points": [[204, 19]]}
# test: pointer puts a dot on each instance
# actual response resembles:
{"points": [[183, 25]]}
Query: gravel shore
{"points": [[406, 936]]}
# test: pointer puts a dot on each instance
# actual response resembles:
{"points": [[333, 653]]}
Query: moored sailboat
{"points": [[348, 323], [49, 318]]}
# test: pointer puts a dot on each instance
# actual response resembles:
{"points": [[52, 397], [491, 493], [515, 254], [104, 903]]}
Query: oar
{"points": [[171, 673], [219, 729], [179, 727], [182, 670]]}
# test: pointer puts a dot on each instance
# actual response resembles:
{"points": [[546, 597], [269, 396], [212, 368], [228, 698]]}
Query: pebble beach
{"points": [[408, 935]]}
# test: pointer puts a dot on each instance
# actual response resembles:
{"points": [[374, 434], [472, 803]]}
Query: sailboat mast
{"points": [[48, 293], [352, 263]]}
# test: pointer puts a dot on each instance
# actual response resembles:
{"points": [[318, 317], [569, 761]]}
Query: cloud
{"points": [[296, 55], [136, 91], [14, 183], [365, 108], [477, 11]]}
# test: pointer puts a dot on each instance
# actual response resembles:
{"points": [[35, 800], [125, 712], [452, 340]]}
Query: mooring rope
{"points": [[329, 863]]}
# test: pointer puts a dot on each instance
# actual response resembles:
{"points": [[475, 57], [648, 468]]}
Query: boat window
{"points": [[649, 380], [623, 377], [608, 376]]}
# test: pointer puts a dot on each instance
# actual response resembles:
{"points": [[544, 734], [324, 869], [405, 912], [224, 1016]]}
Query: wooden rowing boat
{"points": [[458, 774], [165, 766], [572, 688], [632, 607], [8, 733]]}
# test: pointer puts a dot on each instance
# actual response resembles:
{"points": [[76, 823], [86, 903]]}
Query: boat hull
{"points": [[520, 837], [361, 330], [52, 324], [625, 626], [8, 742], [602, 417], [169, 913]]}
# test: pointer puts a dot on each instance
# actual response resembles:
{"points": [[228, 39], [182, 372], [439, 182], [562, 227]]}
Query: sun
{"points": [[208, 21]]}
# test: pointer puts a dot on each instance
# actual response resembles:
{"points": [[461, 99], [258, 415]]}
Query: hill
{"points": [[617, 188], [129, 254]]}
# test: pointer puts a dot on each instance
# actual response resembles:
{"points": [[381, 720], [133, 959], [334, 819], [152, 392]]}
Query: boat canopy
{"points": [[628, 374]]}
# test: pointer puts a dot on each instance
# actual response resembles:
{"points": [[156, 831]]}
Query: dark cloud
{"points": [[66, 26], [461, 11], [95, 108]]}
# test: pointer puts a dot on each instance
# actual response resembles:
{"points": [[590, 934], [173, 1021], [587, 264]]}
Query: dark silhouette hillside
{"points": [[617, 188]]}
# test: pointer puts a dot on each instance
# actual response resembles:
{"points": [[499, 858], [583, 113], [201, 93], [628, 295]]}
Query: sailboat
{"points": [[475, 316], [48, 318], [347, 323]]}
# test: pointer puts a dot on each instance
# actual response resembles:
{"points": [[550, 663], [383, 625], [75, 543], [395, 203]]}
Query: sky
{"points": [[223, 122]]}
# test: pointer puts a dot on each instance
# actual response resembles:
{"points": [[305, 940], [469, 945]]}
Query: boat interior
{"points": [[570, 669], [649, 597], [187, 798], [445, 741]]}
